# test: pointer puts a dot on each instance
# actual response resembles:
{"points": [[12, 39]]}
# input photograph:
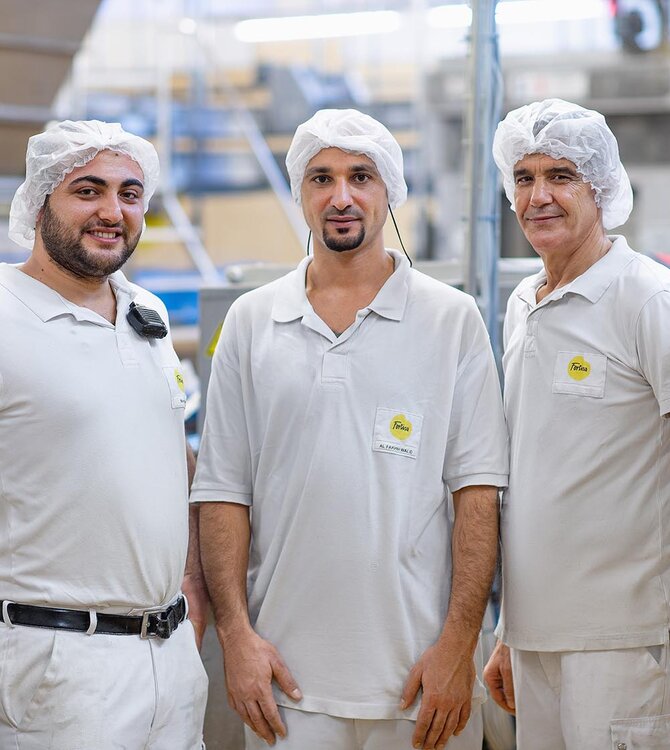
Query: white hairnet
{"points": [[348, 130], [59, 150], [563, 130]]}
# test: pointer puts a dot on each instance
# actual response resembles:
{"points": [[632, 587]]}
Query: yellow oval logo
{"points": [[179, 378], [579, 368], [401, 427]]}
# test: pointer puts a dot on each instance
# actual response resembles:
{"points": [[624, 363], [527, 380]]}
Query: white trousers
{"points": [[62, 690], [592, 700], [312, 731]]}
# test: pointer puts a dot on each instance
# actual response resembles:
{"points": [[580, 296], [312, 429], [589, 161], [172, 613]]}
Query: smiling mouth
{"points": [[542, 218], [105, 236]]}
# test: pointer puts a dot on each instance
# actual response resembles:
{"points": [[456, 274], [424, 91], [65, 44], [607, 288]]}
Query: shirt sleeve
{"points": [[477, 450], [224, 470], [653, 347]]}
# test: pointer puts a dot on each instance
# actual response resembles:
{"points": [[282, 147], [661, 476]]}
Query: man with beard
{"points": [[347, 401], [95, 647]]}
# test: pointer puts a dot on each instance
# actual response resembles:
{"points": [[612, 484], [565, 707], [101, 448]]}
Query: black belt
{"points": [[154, 624]]}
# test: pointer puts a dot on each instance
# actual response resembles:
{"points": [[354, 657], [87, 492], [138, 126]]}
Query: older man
{"points": [[347, 400], [586, 518], [95, 651]]}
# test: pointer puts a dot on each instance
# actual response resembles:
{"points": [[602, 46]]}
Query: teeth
{"points": [[104, 235]]}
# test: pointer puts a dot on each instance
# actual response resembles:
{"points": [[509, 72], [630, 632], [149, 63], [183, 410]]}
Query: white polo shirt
{"points": [[93, 487], [586, 518], [345, 446]]}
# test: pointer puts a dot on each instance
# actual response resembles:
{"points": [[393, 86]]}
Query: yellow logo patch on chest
{"points": [[579, 368], [179, 378], [400, 427]]}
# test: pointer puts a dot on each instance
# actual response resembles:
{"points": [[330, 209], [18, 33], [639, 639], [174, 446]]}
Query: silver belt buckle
{"points": [[166, 622], [145, 625]]}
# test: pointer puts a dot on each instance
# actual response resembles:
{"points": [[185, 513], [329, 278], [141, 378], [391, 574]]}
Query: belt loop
{"points": [[186, 607], [5, 613], [93, 622]]}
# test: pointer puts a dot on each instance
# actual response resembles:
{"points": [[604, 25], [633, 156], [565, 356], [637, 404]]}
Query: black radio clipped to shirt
{"points": [[146, 322]]}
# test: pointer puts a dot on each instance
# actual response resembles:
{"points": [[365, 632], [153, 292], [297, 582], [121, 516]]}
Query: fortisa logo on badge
{"points": [[579, 368], [179, 378], [401, 427]]}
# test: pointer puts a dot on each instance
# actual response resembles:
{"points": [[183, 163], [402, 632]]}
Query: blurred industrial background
{"points": [[220, 85]]}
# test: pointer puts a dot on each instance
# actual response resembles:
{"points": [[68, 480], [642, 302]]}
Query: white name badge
{"points": [[397, 431], [580, 374]]}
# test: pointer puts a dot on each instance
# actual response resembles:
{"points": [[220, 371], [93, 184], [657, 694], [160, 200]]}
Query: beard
{"points": [[65, 247], [342, 243]]}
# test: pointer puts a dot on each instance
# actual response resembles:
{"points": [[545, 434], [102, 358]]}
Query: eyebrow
{"points": [[552, 171], [131, 182], [354, 168]]}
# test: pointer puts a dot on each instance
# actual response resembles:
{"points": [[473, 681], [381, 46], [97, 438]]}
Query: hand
{"points": [[498, 678], [250, 665], [447, 678], [195, 591]]}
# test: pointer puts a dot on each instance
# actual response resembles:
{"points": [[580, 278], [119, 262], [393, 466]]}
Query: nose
{"points": [[109, 210], [541, 194], [341, 197]]}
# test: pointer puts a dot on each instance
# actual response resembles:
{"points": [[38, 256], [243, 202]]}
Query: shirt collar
{"points": [[47, 303], [592, 284], [291, 300]]}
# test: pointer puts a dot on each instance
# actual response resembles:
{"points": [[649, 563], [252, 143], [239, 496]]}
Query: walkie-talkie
{"points": [[146, 322]]}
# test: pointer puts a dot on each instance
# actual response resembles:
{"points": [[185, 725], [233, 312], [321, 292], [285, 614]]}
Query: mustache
{"points": [[350, 212], [97, 224]]}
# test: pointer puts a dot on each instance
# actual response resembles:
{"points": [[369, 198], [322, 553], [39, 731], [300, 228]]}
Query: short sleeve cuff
{"points": [[219, 496], [471, 480]]}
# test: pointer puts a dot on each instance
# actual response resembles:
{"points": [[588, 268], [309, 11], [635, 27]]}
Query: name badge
{"points": [[397, 431], [580, 374]]}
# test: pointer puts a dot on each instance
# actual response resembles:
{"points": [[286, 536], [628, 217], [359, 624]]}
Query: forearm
{"points": [[224, 538], [193, 584], [193, 562], [474, 555]]}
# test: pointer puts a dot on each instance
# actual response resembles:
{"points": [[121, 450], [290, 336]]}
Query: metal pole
{"points": [[421, 175], [483, 113], [173, 208]]}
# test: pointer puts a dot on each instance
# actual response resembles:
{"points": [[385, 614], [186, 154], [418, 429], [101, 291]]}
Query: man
{"points": [[94, 649], [585, 524], [346, 399]]}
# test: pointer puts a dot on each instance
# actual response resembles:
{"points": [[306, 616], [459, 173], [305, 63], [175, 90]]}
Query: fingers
{"points": [[423, 722], [285, 679], [442, 727], [259, 723], [263, 719], [272, 717], [498, 678], [437, 726], [451, 727], [464, 718], [411, 689], [508, 682]]}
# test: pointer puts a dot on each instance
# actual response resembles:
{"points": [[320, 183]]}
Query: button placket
{"points": [[532, 326]]}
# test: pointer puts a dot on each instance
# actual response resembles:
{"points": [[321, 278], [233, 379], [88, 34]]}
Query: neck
{"points": [[369, 267], [94, 293], [566, 267]]}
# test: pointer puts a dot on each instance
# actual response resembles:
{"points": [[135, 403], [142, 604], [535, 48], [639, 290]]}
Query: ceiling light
{"points": [[317, 27]]}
